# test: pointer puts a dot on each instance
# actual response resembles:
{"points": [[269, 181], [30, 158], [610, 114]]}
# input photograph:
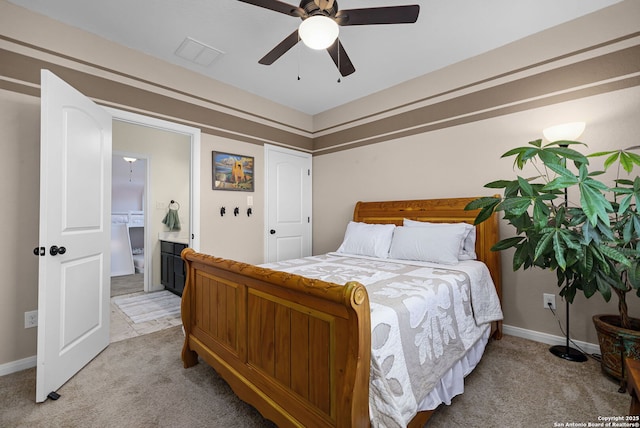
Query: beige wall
{"points": [[517, 58], [458, 161], [136, 68], [29, 42], [20, 166], [169, 163], [234, 237], [238, 238], [442, 135], [438, 136]]}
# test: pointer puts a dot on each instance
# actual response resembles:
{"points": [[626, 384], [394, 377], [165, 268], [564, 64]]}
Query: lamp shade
{"points": [[566, 131], [130, 160], [318, 32]]}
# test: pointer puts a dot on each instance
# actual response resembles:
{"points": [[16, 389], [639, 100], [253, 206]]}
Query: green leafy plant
{"points": [[593, 246]]}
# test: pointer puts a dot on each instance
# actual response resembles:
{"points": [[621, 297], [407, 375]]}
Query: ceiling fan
{"points": [[321, 18]]}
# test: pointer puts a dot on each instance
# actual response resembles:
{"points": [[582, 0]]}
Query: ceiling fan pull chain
{"points": [[338, 42], [299, 48]]}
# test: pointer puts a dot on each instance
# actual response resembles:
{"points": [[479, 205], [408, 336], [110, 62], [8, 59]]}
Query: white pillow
{"points": [[367, 239], [427, 244], [468, 248]]}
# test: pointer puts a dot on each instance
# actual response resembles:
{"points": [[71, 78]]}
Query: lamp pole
{"points": [[565, 351]]}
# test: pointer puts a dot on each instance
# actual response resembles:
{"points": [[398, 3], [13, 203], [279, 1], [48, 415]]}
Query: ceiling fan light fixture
{"points": [[318, 32]]}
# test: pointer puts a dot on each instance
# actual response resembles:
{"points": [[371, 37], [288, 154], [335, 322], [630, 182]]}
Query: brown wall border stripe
{"points": [[149, 82], [612, 65], [483, 81], [609, 66], [19, 88], [555, 99], [27, 69]]}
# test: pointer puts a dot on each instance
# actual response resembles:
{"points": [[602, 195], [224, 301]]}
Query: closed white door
{"points": [[75, 203], [288, 196]]}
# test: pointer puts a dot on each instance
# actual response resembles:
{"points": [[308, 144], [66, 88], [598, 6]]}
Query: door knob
{"points": [[39, 251], [54, 250], [272, 231]]}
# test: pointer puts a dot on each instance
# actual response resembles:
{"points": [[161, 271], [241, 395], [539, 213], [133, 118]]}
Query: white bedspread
{"points": [[424, 319]]}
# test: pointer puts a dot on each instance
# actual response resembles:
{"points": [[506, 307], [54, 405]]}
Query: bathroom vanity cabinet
{"points": [[172, 266]]}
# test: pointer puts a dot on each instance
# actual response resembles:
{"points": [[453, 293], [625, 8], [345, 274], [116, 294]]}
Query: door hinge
{"points": [[309, 172]]}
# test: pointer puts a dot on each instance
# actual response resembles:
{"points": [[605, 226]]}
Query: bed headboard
{"points": [[449, 210]]}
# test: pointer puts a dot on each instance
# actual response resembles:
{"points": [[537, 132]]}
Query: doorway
{"points": [[75, 202], [129, 265], [165, 170], [288, 208]]}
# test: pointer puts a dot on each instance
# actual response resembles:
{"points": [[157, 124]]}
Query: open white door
{"points": [[288, 199], [75, 202]]}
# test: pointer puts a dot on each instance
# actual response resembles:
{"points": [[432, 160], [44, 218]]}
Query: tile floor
{"points": [[122, 327]]}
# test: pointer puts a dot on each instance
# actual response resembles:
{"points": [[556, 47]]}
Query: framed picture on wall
{"points": [[232, 172]]}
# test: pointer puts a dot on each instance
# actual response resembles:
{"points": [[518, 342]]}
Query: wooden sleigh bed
{"points": [[299, 349]]}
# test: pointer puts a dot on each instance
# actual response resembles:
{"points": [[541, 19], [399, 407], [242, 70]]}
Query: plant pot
{"points": [[616, 343]]}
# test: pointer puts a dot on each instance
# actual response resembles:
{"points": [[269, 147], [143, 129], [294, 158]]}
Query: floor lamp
{"points": [[567, 132]]}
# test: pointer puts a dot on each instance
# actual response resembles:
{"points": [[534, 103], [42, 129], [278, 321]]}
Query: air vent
{"points": [[198, 52]]}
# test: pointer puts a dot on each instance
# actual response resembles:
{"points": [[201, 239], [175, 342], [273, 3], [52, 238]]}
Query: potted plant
{"points": [[593, 245]]}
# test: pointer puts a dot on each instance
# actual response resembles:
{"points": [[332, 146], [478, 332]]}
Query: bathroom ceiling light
{"points": [[131, 161]]}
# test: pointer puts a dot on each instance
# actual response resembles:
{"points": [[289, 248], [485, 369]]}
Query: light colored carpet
{"points": [[135, 383], [519, 383], [149, 306], [140, 382]]}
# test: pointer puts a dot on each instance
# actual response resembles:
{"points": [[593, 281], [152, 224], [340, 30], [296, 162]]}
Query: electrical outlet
{"points": [[549, 299], [30, 319]]}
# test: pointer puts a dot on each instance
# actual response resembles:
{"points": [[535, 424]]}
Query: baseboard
{"points": [[550, 339], [16, 366]]}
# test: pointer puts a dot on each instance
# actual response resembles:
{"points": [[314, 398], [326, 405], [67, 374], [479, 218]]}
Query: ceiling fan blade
{"points": [[278, 6], [379, 15], [280, 49], [344, 64]]}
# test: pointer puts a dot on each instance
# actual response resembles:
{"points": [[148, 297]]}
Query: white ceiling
{"points": [[447, 31]]}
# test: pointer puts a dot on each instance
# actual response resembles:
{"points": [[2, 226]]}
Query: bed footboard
{"points": [[296, 349]]}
